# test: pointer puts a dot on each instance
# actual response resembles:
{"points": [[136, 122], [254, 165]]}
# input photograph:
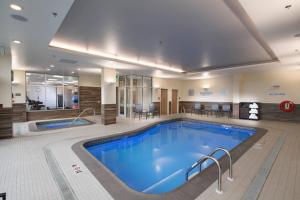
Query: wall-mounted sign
{"points": [[191, 92], [287, 106], [206, 92]]}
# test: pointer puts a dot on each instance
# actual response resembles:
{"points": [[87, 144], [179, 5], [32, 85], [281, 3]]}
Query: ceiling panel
{"points": [[194, 35]]}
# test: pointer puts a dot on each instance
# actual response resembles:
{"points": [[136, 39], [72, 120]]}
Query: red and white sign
{"points": [[287, 106]]}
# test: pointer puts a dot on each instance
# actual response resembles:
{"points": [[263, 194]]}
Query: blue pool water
{"points": [[62, 123], [155, 161]]}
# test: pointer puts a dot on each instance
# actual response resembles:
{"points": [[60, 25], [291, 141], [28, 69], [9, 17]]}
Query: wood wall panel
{"points": [[6, 123], [19, 111], [109, 112], [271, 111], [90, 97], [51, 114]]}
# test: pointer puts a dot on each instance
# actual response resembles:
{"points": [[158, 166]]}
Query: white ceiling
{"points": [[111, 26]]}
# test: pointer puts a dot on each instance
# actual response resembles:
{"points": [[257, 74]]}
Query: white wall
{"points": [[18, 86], [90, 80], [5, 80], [161, 83], [272, 86], [209, 90], [108, 86]]}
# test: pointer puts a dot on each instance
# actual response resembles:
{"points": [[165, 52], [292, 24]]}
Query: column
{"points": [[237, 78], [108, 96], [5, 97]]}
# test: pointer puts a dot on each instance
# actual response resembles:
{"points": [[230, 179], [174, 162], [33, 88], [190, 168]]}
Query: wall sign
{"points": [[191, 92], [206, 92], [287, 106]]}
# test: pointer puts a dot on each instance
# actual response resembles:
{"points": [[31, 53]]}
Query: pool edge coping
{"points": [[32, 126], [190, 190]]}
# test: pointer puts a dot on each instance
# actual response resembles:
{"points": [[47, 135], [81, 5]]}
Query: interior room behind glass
{"points": [[51, 92]]}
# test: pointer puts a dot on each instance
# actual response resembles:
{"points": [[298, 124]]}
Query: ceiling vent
{"points": [[68, 61], [19, 18]]}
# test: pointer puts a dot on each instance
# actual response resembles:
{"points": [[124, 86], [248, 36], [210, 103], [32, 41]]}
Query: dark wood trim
{"points": [[90, 97], [51, 114], [109, 112], [19, 110], [6, 115], [174, 101]]}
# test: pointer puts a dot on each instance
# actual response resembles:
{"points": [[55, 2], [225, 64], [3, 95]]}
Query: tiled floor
{"points": [[25, 175]]}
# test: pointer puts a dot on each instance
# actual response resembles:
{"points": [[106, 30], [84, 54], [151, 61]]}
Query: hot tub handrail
{"points": [[87, 109], [199, 162], [230, 177]]}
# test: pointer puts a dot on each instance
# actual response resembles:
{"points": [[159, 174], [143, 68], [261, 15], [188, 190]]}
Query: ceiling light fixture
{"points": [[15, 7], [17, 42], [52, 66], [78, 69], [288, 6], [73, 72], [112, 57], [48, 69], [205, 74]]}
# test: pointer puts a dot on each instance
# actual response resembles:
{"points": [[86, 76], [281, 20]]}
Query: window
{"points": [[136, 91], [50, 92]]}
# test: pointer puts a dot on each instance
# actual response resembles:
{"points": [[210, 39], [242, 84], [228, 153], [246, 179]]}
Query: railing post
{"points": [[3, 196]]}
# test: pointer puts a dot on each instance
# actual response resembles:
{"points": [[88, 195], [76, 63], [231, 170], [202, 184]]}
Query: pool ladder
{"points": [[87, 109], [210, 157]]}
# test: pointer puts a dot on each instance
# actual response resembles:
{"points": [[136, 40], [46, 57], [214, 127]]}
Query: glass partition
{"points": [[50, 92], [133, 91]]}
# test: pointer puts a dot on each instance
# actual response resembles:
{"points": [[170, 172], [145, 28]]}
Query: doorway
{"points": [[164, 102], [174, 101]]}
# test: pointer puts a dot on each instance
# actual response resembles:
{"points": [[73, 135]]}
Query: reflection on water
{"points": [[156, 160]]}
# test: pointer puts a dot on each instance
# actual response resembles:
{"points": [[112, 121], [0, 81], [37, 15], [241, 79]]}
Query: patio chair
{"points": [[226, 110], [153, 111]]}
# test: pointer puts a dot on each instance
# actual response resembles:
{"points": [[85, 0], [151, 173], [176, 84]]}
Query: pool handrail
{"points": [[230, 177], [210, 156], [199, 162], [87, 109]]}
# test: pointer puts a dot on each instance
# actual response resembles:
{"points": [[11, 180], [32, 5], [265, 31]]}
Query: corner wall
{"points": [[5, 80]]}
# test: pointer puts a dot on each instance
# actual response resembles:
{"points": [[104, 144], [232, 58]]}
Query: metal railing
{"points": [[87, 109], [199, 162], [2, 196], [210, 157], [230, 177]]}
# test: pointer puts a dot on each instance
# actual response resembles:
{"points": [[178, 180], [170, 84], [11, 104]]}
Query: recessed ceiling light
{"points": [[205, 74], [288, 6], [73, 72], [52, 66], [78, 69], [48, 69], [15, 7], [17, 42]]}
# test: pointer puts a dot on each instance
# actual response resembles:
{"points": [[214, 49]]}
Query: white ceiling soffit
{"points": [[191, 35], [279, 23]]}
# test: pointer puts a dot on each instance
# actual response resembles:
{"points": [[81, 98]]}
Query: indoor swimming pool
{"points": [[155, 160]]}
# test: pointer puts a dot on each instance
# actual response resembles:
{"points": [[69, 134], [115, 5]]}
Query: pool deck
{"points": [[25, 160]]}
